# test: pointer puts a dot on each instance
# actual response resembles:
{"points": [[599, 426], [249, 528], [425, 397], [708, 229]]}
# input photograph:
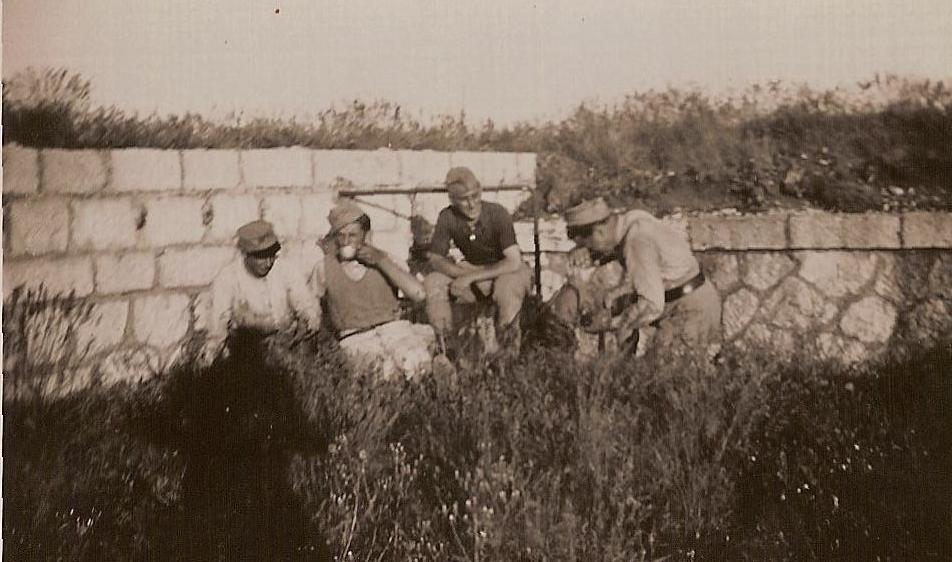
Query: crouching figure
{"points": [[643, 279], [361, 284], [259, 292]]}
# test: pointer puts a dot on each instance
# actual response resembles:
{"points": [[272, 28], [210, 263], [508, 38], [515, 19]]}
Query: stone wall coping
{"points": [[795, 230]]}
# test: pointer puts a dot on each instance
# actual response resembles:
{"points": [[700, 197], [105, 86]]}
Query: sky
{"points": [[503, 59]]}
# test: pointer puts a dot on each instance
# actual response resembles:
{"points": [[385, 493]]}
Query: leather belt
{"points": [[361, 330], [674, 294]]}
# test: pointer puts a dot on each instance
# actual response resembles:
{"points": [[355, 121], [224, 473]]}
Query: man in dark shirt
{"points": [[492, 266]]}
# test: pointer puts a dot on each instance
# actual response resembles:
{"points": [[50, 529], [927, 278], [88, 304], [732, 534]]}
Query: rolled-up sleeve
{"points": [[643, 272]]}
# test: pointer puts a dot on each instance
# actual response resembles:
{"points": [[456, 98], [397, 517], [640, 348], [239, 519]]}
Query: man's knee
{"points": [[436, 285], [510, 290], [565, 305]]}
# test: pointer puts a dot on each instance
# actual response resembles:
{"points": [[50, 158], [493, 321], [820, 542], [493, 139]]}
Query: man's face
{"points": [[352, 234], [600, 239], [260, 264], [468, 201]]}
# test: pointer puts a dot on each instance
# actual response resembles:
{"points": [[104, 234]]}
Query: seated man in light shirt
{"points": [[647, 279], [361, 284], [259, 291]]}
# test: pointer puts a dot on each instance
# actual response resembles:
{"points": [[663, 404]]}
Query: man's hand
{"points": [[612, 295], [368, 255], [460, 287], [579, 258]]}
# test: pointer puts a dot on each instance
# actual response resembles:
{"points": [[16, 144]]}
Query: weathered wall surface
{"points": [[841, 286], [142, 232]]}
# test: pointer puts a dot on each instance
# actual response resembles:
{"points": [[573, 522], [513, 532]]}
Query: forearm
{"points": [[447, 267], [504, 267], [638, 315], [403, 279]]}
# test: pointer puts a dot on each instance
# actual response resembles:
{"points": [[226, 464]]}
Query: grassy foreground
{"points": [[284, 454]]}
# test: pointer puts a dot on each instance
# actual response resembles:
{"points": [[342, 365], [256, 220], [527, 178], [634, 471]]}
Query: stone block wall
{"points": [[140, 233], [843, 286]]}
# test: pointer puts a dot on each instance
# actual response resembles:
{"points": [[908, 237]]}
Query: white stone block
{"points": [[161, 320], [105, 224], [832, 347], [314, 209], [277, 167], [106, 327], [526, 166], [395, 242], [837, 273], [358, 169], [124, 272], [797, 306], [145, 169], [73, 171], [850, 231], [426, 168], [59, 276], [764, 270], [173, 220], [927, 230], [210, 169], [21, 170], [38, 226], [739, 310], [284, 213], [869, 320], [193, 267], [229, 212], [755, 232]]}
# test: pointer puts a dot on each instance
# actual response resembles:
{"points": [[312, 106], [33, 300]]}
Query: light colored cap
{"points": [[461, 177], [256, 236], [587, 212], [345, 212]]}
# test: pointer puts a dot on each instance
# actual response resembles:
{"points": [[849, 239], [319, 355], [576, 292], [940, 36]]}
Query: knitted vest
{"points": [[358, 305]]}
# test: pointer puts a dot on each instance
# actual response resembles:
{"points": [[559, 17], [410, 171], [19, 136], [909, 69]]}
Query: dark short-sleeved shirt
{"points": [[494, 233]]}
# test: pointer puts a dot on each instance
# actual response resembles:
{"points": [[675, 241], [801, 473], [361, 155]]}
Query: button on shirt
{"points": [[242, 299], [656, 258], [482, 244]]}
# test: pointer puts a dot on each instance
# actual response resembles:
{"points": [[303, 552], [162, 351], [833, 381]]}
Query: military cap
{"points": [[587, 212], [257, 236], [461, 176], [344, 213]]}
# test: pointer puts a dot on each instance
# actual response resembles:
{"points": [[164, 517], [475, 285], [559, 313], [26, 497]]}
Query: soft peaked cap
{"points": [[256, 236], [587, 212], [461, 176], [344, 213]]}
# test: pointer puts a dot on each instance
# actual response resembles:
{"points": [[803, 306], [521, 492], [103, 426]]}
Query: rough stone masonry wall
{"points": [[839, 286], [141, 233]]}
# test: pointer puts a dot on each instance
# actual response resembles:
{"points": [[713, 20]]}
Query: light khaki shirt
{"points": [[270, 302], [657, 258]]}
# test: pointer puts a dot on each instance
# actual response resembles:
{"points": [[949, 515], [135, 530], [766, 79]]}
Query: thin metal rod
{"points": [[413, 190]]}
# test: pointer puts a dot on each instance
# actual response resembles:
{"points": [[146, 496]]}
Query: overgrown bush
{"points": [[281, 451], [769, 145]]}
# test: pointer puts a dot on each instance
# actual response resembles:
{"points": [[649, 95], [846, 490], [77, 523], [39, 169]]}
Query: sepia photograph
{"points": [[456, 281]]}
